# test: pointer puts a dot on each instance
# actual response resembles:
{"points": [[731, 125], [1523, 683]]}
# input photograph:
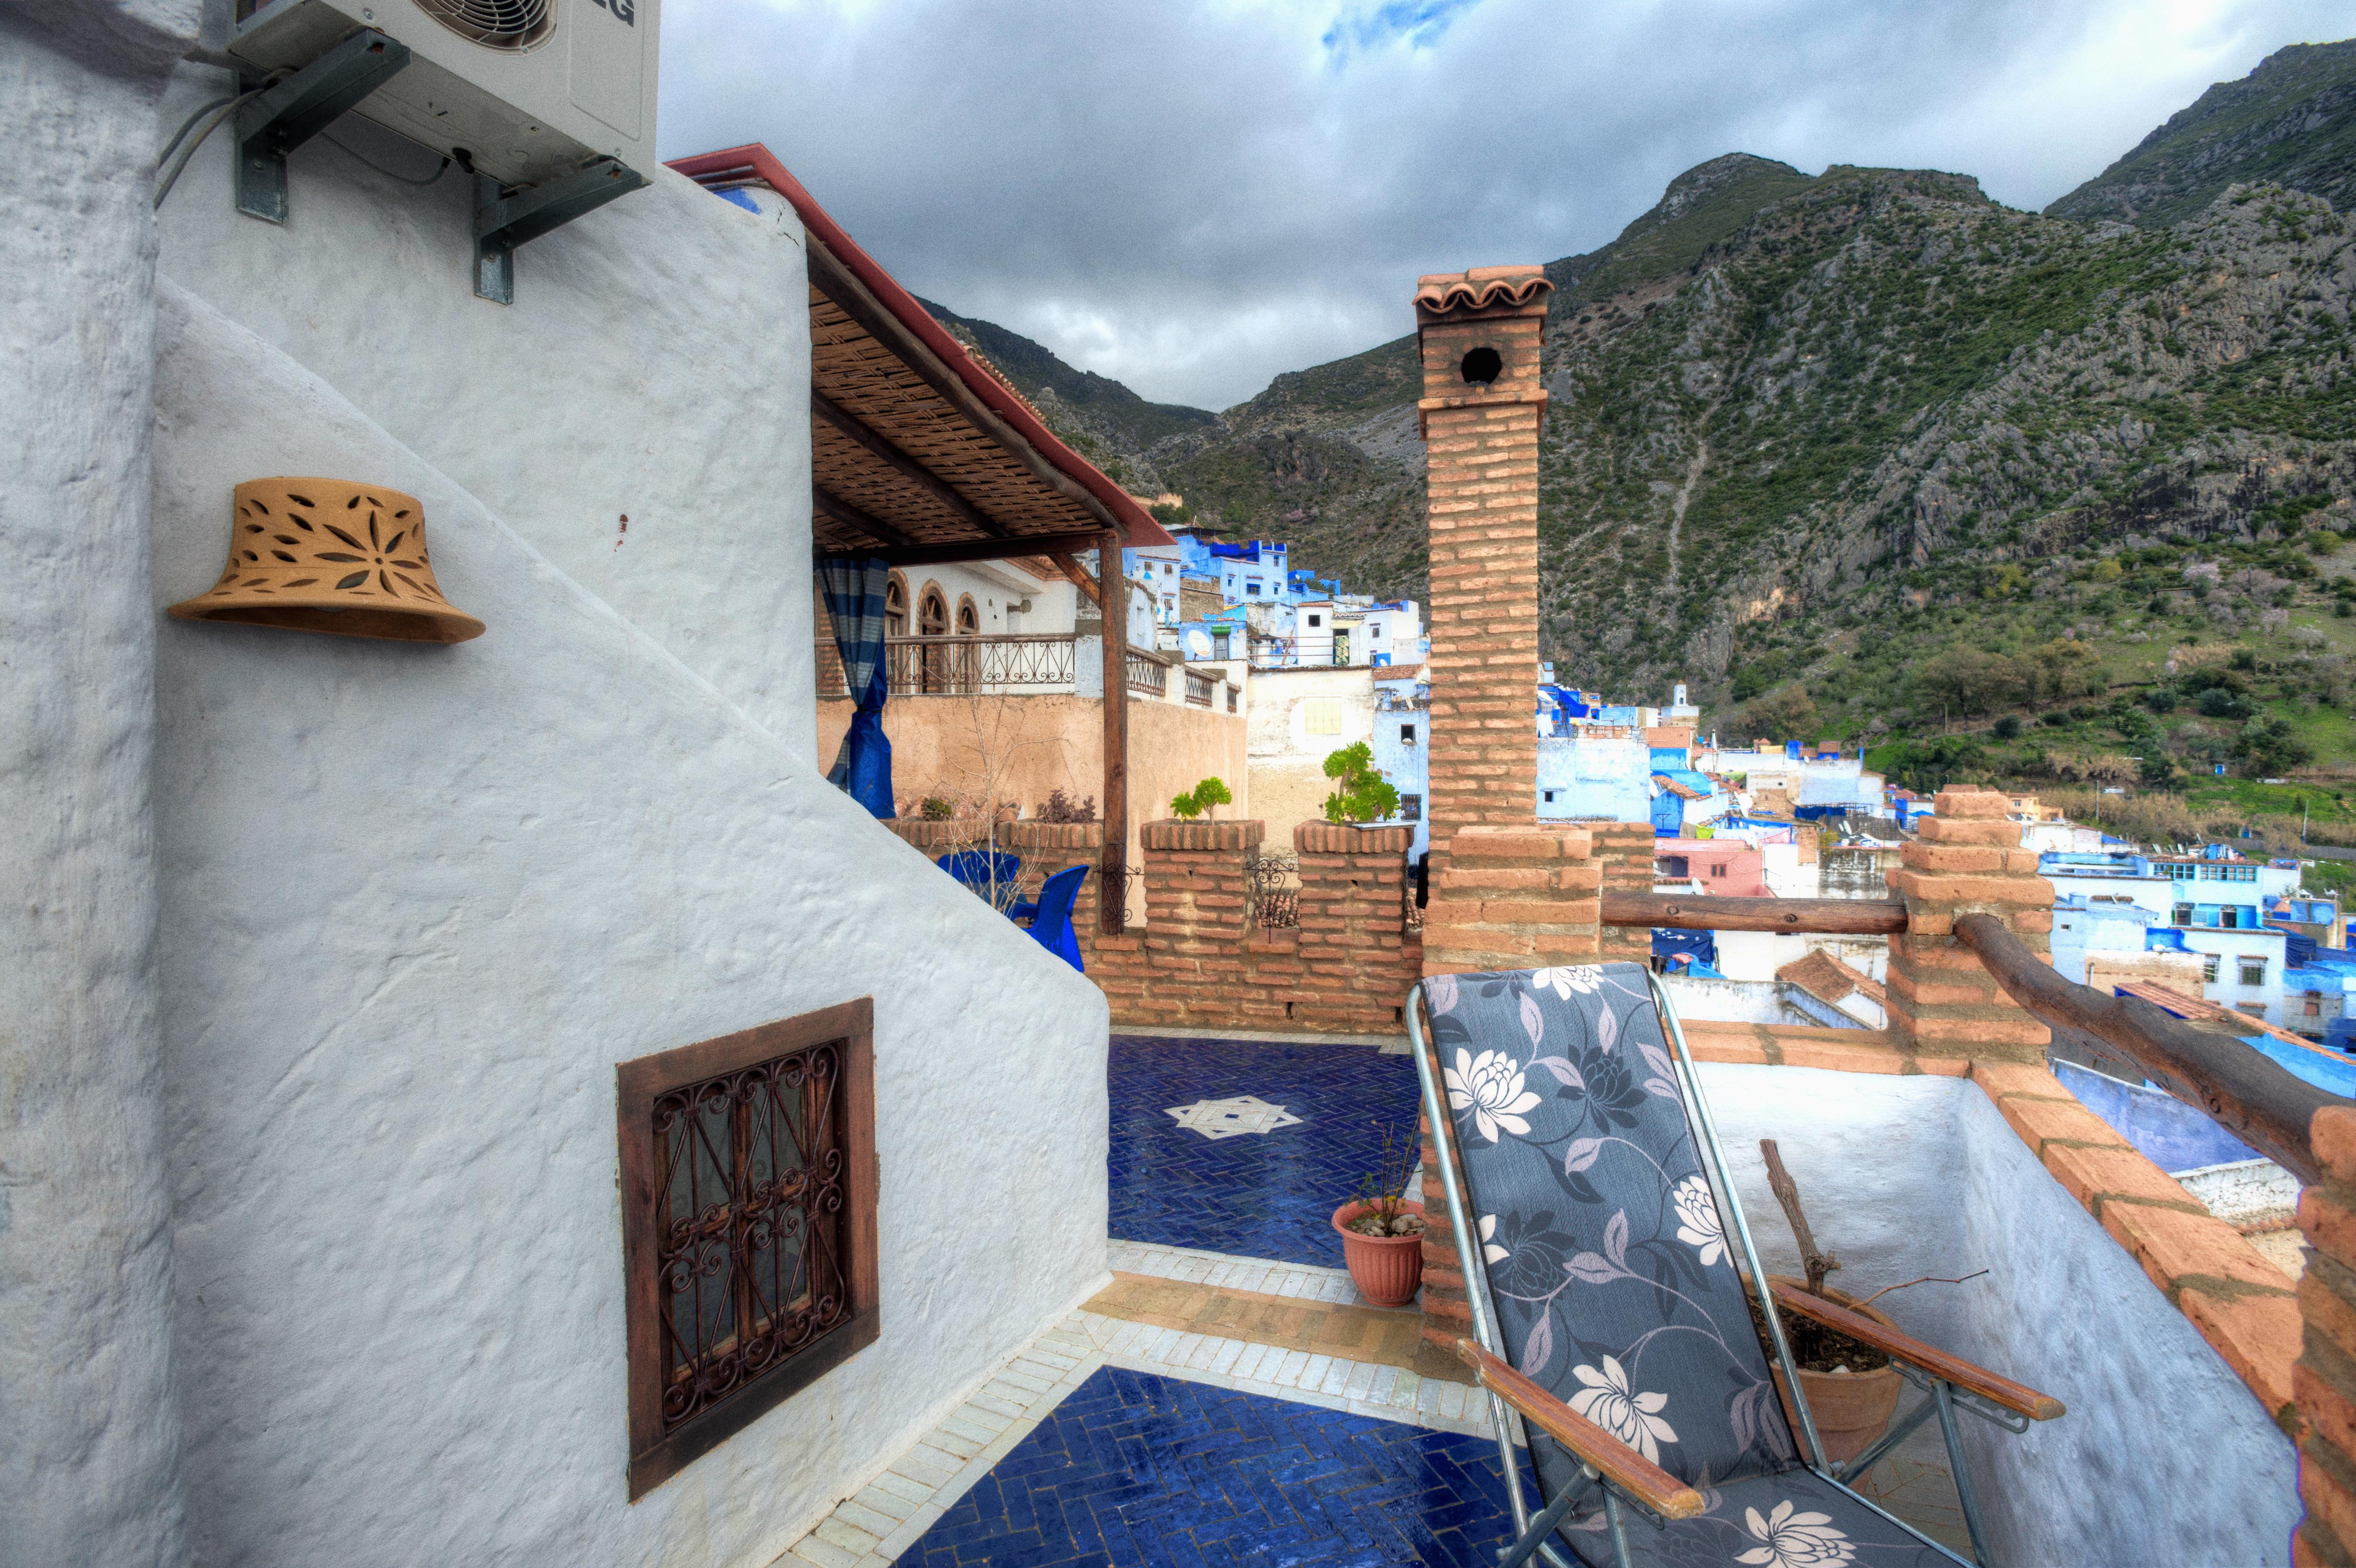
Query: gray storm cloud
{"points": [[1194, 198]]}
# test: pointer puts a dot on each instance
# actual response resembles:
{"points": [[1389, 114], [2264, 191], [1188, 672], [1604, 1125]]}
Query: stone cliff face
{"points": [[1798, 410], [2291, 121]]}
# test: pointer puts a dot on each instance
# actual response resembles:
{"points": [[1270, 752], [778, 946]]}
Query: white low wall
{"points": [[2164, 1458], [418, 901]]}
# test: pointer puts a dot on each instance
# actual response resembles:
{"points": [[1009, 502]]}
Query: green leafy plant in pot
{"points": [[1381, 1232], [1361, 793]]}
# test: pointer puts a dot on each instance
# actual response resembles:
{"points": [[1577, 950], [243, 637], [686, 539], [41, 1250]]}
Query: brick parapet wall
{"points": [[1502, 898], [1967, 860], [2323, 1379], [1200, 959], [934, 839], [1623, 853], [1514, 897]]}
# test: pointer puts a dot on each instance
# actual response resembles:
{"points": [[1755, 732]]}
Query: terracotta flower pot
{"points": [[1851, 1409], [1387, 1270]]}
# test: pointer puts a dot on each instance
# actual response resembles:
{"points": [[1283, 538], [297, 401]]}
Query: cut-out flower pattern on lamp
{"points": [[318, 555]]}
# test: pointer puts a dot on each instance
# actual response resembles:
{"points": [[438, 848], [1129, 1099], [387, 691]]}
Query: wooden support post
{"points": [[1112, 596]]}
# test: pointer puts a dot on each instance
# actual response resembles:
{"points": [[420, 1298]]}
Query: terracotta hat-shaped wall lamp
{"points": [[334, 556]]}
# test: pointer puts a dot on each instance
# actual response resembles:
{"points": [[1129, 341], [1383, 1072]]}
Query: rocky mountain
{"points": [[2292, 122], [1818, 434], [1103, 418]]}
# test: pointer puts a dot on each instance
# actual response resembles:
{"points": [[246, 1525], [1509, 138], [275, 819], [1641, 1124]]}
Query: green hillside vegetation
{"points": [[2291, 121], [1868, 456], [1701, 207]]}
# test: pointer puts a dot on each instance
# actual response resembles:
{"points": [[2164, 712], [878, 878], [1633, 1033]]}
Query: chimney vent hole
{"points": [[1482, 366]]}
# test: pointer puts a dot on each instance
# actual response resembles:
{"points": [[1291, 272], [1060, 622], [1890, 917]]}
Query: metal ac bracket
{"points": [[504, 222], [297, 108]]}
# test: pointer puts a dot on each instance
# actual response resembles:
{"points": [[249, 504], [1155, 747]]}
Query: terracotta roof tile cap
{"points": [[1478, 288], [1829, 979]]}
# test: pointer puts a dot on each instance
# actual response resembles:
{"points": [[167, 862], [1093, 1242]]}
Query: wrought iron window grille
{"points": [[748, 1227], [1275, 883]]}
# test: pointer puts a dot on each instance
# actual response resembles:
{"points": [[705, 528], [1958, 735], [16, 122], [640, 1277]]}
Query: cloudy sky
{"points": [[1193, 198]]}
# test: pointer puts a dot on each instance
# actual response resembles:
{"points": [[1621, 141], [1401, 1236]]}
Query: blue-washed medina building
{"points": [[1401, 742], [1594, 778], [1580, 778], [2228, 911]]}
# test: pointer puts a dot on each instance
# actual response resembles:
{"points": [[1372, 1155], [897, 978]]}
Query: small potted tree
{"points": [[1382, 1233], [1851, 1389]]}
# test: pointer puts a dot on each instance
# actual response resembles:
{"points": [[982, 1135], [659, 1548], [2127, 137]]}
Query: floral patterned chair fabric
{"points": [[1612, 1274]]}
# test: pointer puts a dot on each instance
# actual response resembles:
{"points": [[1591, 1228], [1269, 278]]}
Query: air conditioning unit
{"points": [[526, 92]]}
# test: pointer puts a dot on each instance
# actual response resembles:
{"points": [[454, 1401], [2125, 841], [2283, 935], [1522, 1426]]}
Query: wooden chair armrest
{"points": [[1619, 1463], [1999, 1391]]}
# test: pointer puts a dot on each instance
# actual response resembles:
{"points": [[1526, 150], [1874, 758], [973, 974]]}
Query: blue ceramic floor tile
{"points": [[1255, 1195], [1132, 1470]]}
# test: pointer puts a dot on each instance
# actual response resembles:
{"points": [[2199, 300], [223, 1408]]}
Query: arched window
{"points": [[895, 607], [968, 620], [933, 620]]}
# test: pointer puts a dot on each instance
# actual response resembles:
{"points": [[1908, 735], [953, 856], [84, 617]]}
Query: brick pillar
{"points": [[1967, 860], [1479, 333], [1502, 898], [1514, 898], [1197, 909], [2323, 1381], [1624, 852], [1353, 882]]}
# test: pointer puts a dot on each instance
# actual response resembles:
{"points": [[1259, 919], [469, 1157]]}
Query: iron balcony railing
{"points": [[1198, 690], [962, 666], [1148, 676]]}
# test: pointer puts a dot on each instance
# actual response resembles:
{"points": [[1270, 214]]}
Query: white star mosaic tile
{"points": [[1233, 1118]]}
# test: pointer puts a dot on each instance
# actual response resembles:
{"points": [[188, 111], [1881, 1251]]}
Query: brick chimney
{"points": [[1478, 333]]}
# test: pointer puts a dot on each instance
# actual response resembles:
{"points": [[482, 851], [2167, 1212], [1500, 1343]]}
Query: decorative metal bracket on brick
{"points": [[505, 220], [290, 114]]}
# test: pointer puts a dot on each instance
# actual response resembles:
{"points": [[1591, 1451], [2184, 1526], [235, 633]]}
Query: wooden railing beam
{"points": [[2244, 1091], [1831, 916]]}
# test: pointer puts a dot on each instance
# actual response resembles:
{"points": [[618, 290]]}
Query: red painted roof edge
{"points": [[1137, 524]]}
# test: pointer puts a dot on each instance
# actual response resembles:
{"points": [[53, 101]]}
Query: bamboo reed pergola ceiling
{"points": [[918, 452]]}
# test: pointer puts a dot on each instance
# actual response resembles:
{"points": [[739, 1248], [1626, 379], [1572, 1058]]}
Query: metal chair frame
{"points": [[1941, 1398]]}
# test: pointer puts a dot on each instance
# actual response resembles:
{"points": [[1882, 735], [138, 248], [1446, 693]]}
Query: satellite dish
{"points": [[1198, 644]]}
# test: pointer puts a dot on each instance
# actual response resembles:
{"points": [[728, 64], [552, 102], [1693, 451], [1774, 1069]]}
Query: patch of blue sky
{"points": [[1420, 23]]}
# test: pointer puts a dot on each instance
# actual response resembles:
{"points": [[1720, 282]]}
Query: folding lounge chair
{"points": [[1608, 1313]]}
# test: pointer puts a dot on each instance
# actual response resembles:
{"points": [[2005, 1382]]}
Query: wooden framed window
{"points": [[748, 1226]]}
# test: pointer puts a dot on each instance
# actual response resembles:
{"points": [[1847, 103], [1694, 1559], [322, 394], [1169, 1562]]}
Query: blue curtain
{"points": [[854, 601]]}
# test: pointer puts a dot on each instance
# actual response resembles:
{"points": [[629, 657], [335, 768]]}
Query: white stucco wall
{"points": [[655, 365], [2164, 1458], [419, 901], [2172, 1460], [90, 1423]]}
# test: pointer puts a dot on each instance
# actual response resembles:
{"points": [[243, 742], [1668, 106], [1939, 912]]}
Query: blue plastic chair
{"points": [[971, 866], [1051, 917]]}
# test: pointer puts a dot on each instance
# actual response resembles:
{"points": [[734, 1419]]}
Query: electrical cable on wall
{"points": [[362, 157], [219, 109]]}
